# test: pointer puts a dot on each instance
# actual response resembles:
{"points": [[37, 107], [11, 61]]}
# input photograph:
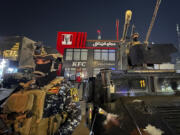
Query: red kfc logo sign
{"points": [[67, 39], [70, 40]]}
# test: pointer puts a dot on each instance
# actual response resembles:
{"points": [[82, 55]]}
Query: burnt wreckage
{"points": [[144, 98]]}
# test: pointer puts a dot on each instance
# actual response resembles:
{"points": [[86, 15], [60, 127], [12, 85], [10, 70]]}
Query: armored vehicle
{"points": [[146, 99], [140, 97]]}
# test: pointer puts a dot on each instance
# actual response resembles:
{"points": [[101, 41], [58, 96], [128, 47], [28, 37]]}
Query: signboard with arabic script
{"points": [[102, 44], [108, 44]]}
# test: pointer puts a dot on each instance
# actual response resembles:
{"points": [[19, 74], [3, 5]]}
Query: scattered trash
{"points": [[152, 130], [111, 117], [137, 101]]}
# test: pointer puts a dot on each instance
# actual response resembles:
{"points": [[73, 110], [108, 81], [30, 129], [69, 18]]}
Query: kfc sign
{"points": [[67, 39], [79, 64], [70, 40]]}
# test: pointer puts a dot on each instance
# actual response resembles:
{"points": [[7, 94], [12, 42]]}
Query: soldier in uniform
{"points": [[68, 106], [135, 39], [135, 53], [44, 105]]}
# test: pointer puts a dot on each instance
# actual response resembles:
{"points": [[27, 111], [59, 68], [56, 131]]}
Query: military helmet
{"points": [[135, 35], [46, 59]]}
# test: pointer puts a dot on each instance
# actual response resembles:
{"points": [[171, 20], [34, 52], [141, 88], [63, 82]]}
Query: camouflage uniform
{"points": [[71, 108], [65, 105], [46, 101]]}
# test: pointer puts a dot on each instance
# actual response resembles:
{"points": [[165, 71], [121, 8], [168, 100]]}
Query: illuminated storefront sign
{"points": [[70, 40], [108, 44], [105, 64], [13, 53], [78, 64], [67, 39]]}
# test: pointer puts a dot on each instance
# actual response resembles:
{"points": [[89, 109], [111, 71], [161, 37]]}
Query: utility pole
{"points": [[178, 36], [117, 29], [177, 66]]}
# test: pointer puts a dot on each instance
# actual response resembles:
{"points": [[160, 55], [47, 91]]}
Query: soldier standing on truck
{"points": [[135, 38], [44, 105]]}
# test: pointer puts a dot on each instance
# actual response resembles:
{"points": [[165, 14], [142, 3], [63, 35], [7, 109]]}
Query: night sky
{"points": [[40, 20]]}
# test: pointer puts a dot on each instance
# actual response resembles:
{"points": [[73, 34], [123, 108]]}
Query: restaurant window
{"points": [[97, 54], [111, 55], [74, 73], [84, 53], [76, 54], [167, 84], [84, 73], [104, 54], [69, 54], [70, 73]]}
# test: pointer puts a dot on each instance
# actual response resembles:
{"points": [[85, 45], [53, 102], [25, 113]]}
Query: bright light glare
{"points": [[10, 70], [3, 63], [82, 75], [67, 74]]}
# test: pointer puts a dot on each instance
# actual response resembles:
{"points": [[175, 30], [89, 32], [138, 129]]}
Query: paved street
{"points": [[4, 93], [81, 129]]}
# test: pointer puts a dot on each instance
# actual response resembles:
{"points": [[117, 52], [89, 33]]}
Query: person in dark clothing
{"points": [[44, 105]]}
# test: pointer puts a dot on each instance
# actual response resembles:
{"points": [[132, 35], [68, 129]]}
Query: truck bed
{"points": [[160, 112]]}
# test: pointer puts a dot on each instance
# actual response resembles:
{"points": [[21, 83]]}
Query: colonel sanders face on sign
{"points": [[67, 39]]}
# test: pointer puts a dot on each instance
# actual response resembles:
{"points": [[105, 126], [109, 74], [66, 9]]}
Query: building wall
{"points": [[91, 65], [17, 48], [26, 53]]}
